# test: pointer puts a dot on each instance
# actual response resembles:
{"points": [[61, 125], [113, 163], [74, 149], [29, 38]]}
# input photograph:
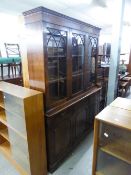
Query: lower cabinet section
{"points": [[67, 128]]}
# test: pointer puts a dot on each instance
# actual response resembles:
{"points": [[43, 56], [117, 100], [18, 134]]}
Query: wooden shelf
{"points": [[113, 167], [99, 173], [77, 55], [2, 105], [3, 117], [6, 151], [61, 80], [117, 149], [4, 133], [3, 120], [56, 56], [75, 74], [5, 148]]}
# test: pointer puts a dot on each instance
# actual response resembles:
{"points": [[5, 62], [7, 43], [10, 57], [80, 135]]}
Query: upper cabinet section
{"points": [[50, 16], [66, 54]]}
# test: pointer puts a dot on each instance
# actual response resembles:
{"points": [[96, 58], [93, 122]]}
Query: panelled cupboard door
{"points": [[82, 118], [94, 107], [56, 61], [59, 136]]}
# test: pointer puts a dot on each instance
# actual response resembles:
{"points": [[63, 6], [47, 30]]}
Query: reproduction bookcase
{"points": [[62, 61], [22, 132], [112, 139]]}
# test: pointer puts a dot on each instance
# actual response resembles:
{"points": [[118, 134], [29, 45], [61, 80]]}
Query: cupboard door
{"points": [[94, 101], [56, 49], [59, 136], [78, 59], [82, 120], [92, 59]]}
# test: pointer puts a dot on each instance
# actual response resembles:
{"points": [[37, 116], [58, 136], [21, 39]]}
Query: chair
{"points": [[127, 79], [13, 51], [124, 86], [5, 62]]}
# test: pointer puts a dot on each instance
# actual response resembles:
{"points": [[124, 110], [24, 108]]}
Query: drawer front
{"points": [[16, 122], [14, 105]]}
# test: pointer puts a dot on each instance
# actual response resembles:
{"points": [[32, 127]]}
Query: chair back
{"points": [[0, 53], [12, 50]]}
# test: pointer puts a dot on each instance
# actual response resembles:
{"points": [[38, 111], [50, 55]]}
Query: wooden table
{"points": [[123, 103], [112, 139]]}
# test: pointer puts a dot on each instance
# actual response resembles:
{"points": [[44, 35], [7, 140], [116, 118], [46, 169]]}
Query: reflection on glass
{"points": [[57, 51], [78, 55], [92, 53]]}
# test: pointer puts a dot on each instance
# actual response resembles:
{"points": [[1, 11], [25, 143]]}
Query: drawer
{"points": [[16, 122], [14, 104]]}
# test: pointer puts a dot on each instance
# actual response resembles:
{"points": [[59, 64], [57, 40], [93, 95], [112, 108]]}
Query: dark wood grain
{"points": [[69, 118]]}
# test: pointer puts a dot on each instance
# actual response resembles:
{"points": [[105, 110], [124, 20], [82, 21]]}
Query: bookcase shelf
{"points": [[18, 139], [4, 133], [112, 139], [2, 105], [3, 120], [3, 117], [99, 173], [116, 149], [5, 148]]}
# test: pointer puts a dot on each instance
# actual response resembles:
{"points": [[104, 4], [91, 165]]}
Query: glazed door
{"points": [[78, 61], [92, 59], [56, 63]]}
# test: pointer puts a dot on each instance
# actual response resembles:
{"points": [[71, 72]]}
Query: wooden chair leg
{"points": [[2, 71], [9, 69], [15, 68], [12, 69], [20, 72]]}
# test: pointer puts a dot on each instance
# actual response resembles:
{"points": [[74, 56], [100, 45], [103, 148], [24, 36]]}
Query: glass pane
{"points": [[57, 52], [77, 83], [92, 54], [78, 55]]}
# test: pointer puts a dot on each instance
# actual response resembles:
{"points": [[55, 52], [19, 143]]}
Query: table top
{"points": [[118, 113], [122, 103], [115, 116]]}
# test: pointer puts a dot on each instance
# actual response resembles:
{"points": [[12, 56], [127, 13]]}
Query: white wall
{"points": [[106, 36], [10, 29]]}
